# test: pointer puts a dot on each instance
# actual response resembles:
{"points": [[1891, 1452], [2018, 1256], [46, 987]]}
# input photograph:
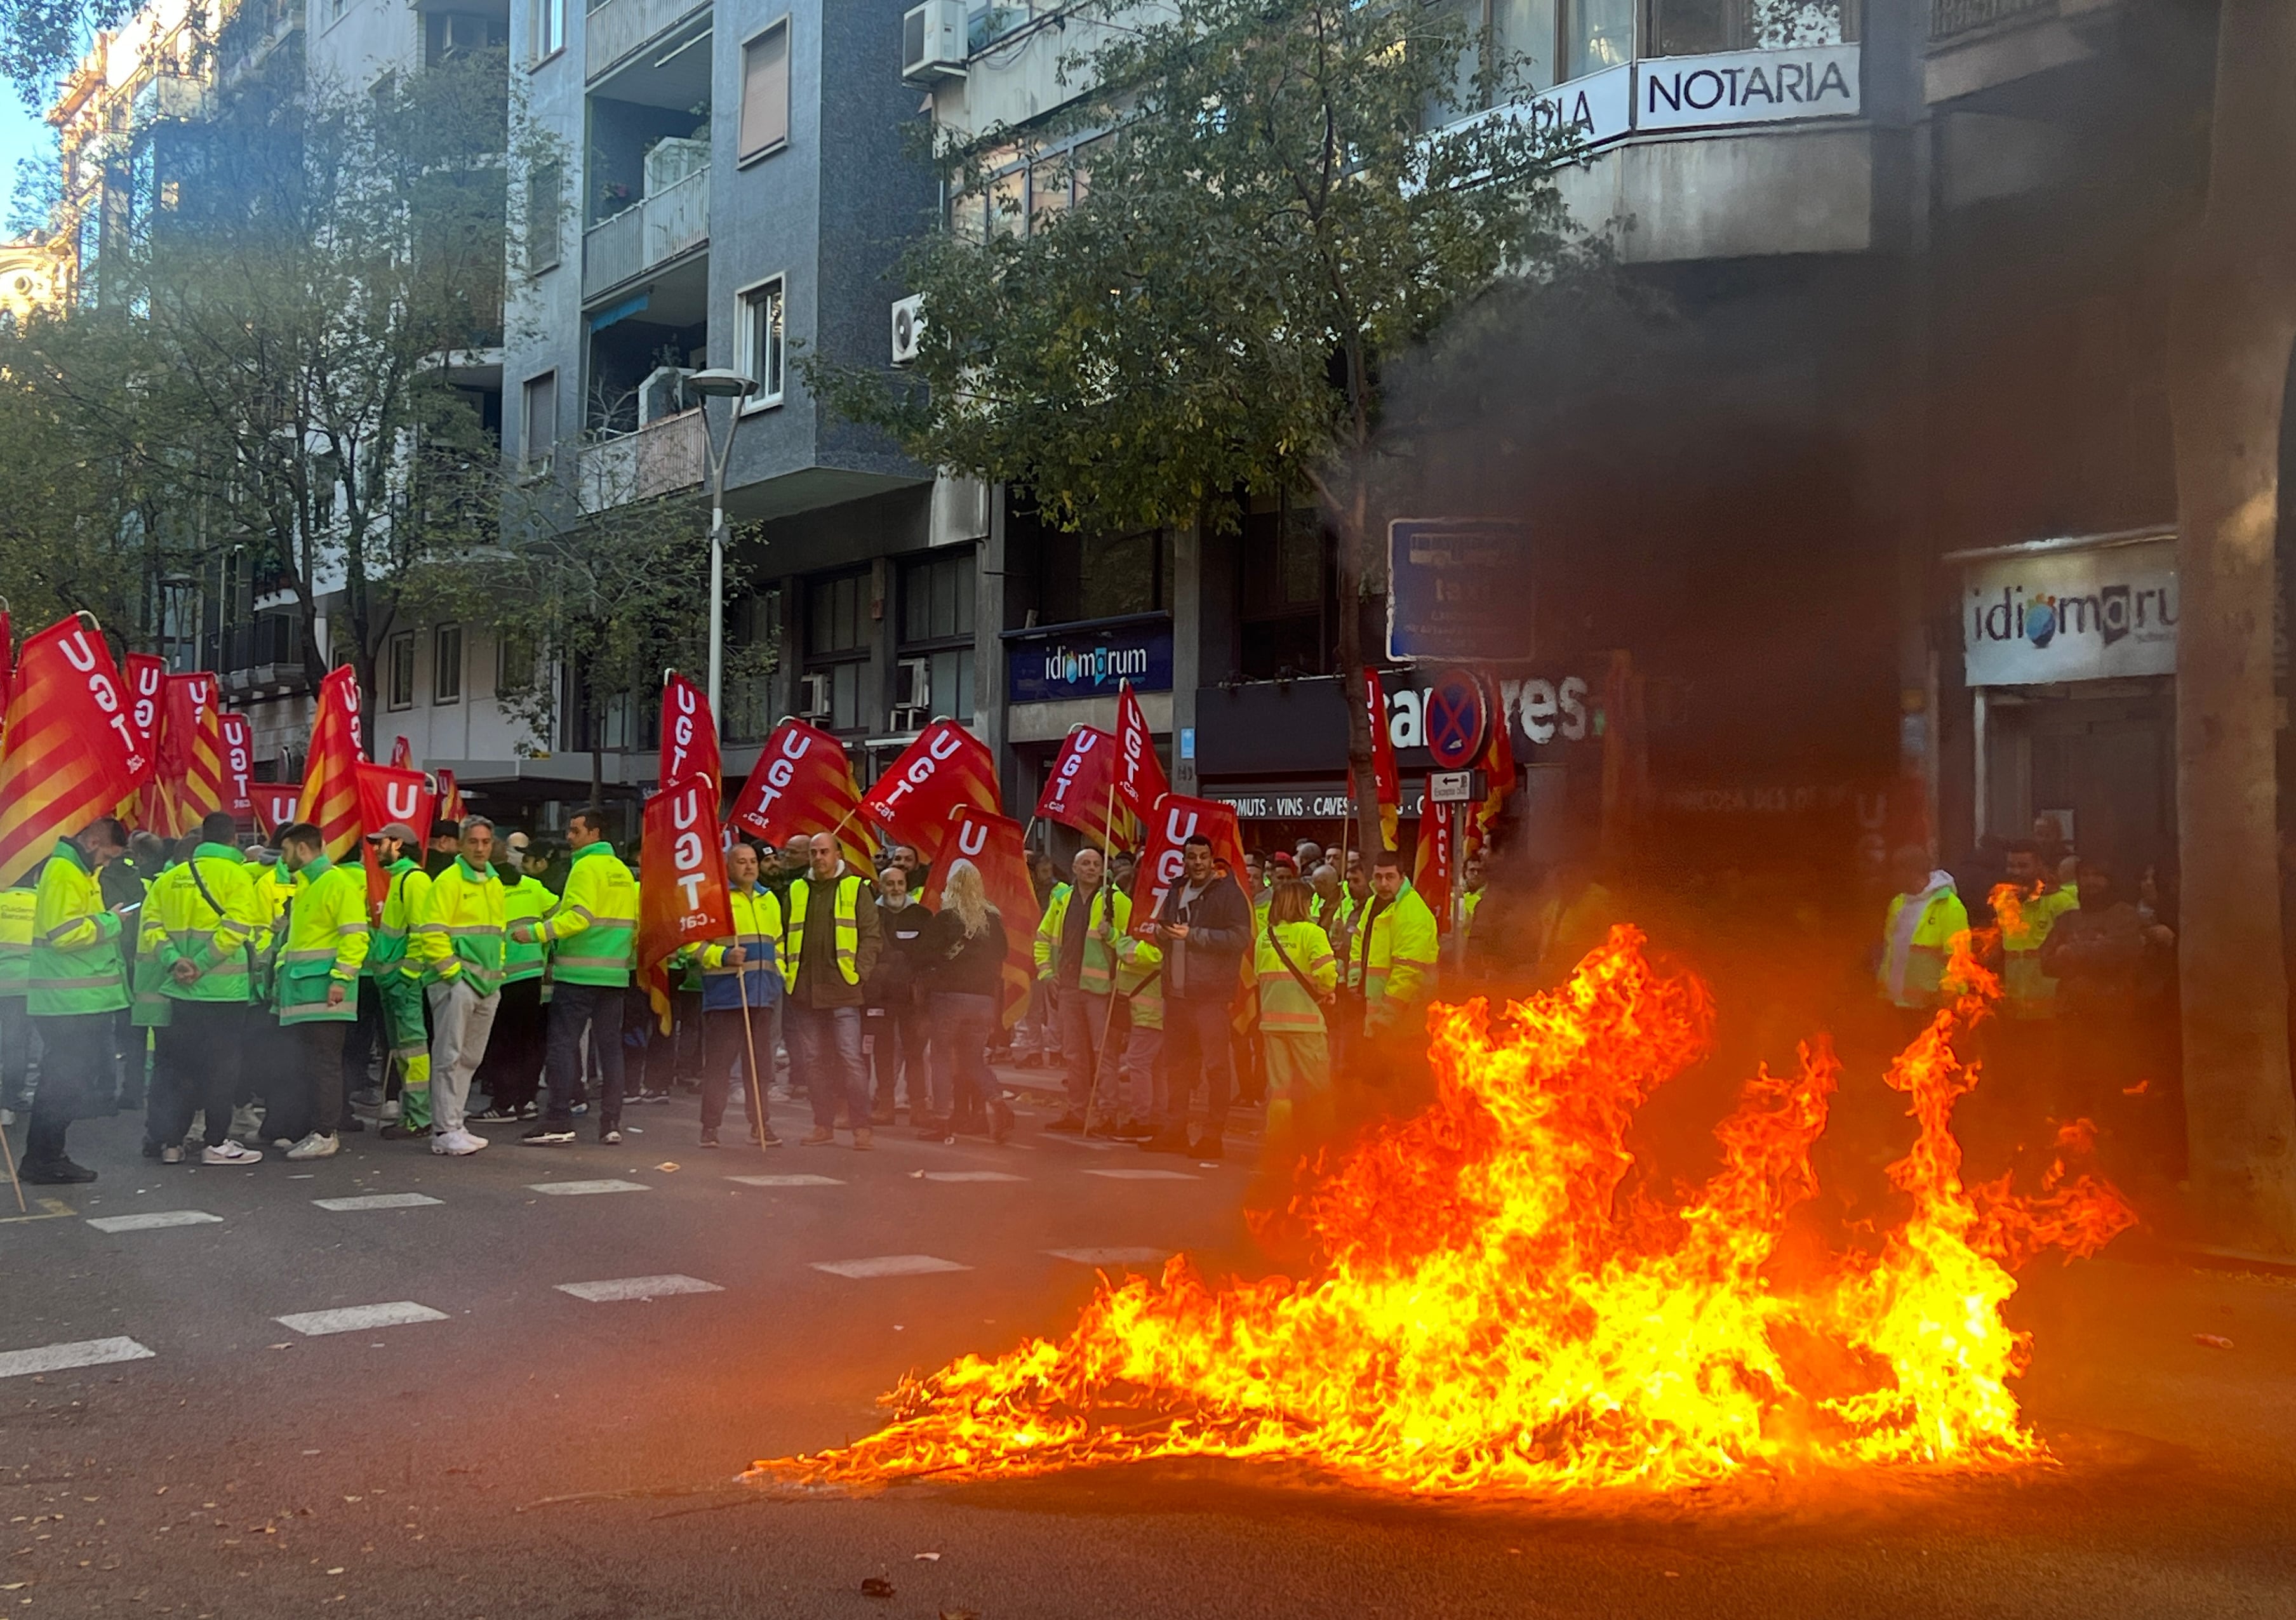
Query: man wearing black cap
{"points": [[445, 844]]}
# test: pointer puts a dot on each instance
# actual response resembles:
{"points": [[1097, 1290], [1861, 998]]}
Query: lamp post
{"points": [[718, 382]]}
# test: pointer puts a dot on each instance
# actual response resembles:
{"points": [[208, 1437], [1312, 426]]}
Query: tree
{"points": [[1263, 223], [2233, 320]]}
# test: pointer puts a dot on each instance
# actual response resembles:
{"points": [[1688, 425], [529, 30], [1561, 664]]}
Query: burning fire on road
{"points": [[1496, 1310]]}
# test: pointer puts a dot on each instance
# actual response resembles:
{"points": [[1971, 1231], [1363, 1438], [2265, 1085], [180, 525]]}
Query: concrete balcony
{"points": [[620, 28], [668, 454], [651, 232]]}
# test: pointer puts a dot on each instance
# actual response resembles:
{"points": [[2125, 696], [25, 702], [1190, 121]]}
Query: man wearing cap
{"points": [[445, 844], [399, 983]]}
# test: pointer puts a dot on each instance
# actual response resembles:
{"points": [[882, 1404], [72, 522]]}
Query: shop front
{"points": [[1060, 677], [2070, 657]]}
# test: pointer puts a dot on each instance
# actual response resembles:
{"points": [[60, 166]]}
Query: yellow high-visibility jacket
{"points": [[1093, 972], [213, 918], [458, 934], [1395, 959], [327, 944], [75, 966]]}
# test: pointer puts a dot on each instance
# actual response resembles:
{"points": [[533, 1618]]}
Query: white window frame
{"points": [[527, 461], [402, 659], [771, 391], [549, 30], [743, 158], [439, 696]]}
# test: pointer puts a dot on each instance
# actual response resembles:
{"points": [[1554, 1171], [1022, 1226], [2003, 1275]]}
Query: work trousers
{"points": [[573, 1009], [460, 1019], [895, 1037], [410, 1046], [19, 1049], [727, 1038], [204, 1048], [961, 1026], [825, 1052], [308, 1095], [1144, 1067], [510, 1073], [74, 1066], [1089, 1043], [1300, 1117], [1195, 1048], [362, 1037], [1040, 1025]]}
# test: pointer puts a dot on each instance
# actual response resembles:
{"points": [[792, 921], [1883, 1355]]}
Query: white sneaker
{"points": [[456, 1142], [172, 1154], [314, 1146], [389, 1110], [230, 1153]]}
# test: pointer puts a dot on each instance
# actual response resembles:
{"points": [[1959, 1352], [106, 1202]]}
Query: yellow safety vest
{"points": [[847, 917]]}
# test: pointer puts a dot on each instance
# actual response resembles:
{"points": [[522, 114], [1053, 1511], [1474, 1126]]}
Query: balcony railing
{"points": [[646, 233], [668, 454], [620, 27], [1949, 18]]}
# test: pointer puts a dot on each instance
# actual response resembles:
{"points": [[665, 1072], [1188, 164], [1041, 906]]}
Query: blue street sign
{"points": [[1460, 588], [1458, 720]]}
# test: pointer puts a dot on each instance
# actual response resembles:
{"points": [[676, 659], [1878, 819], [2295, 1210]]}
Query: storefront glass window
{"points": [[1601, 34]]}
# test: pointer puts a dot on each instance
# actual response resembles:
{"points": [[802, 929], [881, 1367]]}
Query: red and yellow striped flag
{"points": [[190, 773], [329, 798], [71, 753]]}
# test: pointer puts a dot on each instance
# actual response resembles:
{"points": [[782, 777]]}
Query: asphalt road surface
{"points": [[516, 1427]]}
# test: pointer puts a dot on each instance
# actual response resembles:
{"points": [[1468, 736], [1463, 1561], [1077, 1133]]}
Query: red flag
{"points": [[238, 767], [402, 755], [274, 806], [947, 768], [689, 733], [992, 843], [7, 666], [1083, 790], [330, 796], [1431, 864], [72, 751], [147, 684], [681, 882], [388, 793], [1384, 777], [802, 784], [1177, 819], [1139, 775], [451, 808], [1497, 767], [191, 764]]}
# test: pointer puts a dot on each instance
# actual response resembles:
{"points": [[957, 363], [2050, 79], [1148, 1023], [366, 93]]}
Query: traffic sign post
{"points": [[1458, 719]]}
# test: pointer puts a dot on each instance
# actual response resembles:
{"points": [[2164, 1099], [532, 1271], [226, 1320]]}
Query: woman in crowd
{"points": [[1297, 974], [963, 948]]}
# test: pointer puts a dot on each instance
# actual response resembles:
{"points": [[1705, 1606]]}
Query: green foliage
{"points": [[1265, 221], [40, 40]]}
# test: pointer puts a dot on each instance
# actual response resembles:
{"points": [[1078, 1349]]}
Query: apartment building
{"points": [[735, 191]]}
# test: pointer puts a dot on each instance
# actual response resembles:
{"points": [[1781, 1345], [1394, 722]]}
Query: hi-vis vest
{"points": [[1092, 972], [326, 942], [847, 917], [1140, 976], [215, 919], [593, 930], [756, 916], [406, 887], [16, 906], [1942, 917], [1285, 1008], [75, 942], [1394, 959], [2029, 992]]}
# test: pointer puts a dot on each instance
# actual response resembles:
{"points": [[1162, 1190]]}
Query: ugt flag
{"points": [[689, 733], [802, 784], [1176, 819], [330, 797], [238, 767], [992, 843], [681, 882], [946, 769], [1083, 792], [72, 751], [1140, 778]]}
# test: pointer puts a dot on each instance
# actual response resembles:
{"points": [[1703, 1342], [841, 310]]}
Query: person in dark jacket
{"points": [[1204, 927], [893, 1029], [963, 948]]}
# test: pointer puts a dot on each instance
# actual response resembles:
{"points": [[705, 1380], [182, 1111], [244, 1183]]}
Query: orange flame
{"points": [[1489, 1316]]}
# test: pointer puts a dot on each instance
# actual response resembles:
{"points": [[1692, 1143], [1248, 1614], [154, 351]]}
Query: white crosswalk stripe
{"points": [[577, 1189], [353, 1319], [1111, 1257], [637, 1288], [786, 1180], [888, 1265], [970, 1175], [379, 1200], [1145, 1176], [154, 1220], [63, 1358]]}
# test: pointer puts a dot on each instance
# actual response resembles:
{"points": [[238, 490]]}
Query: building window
{"points": [[538, 433], [549, 29], [841, 614], [1081, 577], [765, 91], [937, 630], [1692, 28], [402, 670], [752, 630], [447, 664], [545, 204], [1599, 34], [1282, 598], [762, 351]]}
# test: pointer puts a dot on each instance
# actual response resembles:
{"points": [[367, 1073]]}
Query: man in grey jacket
{"points": [[1204, 928]]}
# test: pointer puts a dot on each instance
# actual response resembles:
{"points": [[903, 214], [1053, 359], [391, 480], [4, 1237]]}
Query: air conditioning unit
{"points": [[909, 327], [813, 699], [932, 42], [913, 685], [908, 720]]}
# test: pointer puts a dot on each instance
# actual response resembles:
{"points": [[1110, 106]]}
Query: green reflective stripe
{"points": [[320, 953], [590, 961], [463, 930], [94, 981]]}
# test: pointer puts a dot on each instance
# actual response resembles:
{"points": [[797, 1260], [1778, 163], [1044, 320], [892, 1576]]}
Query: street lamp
{"points": [[718, 382]]}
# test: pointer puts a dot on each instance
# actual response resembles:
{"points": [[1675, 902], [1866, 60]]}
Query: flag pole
{"points": [[11, 1155], [763, 1130], [1108, 919]]}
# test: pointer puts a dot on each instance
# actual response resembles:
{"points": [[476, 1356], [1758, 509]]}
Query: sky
{"points": [[22, 134]]}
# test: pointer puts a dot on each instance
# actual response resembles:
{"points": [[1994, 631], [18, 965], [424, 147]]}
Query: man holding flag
{"points": [[1076, 952], [76, 983]]}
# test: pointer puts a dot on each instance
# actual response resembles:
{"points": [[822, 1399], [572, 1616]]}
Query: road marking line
{"points": [[153, 1221], [1066, 1141], [971, 1175], [1145, 1176], [380, 1200], [1109, 1256], [786, 1180], [575, 1189], [51, 1210], [637, 1288], [888, 1265], [353, 1319], [62, 1358]]}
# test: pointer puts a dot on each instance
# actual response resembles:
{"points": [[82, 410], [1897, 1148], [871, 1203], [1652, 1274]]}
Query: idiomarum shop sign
{"points": [[2088, 614]]}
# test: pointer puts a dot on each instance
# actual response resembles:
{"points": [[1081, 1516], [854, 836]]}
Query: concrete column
{"points": [[989, 696], [1187, 647]]}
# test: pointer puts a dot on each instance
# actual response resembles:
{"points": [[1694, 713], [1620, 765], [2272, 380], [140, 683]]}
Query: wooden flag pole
{"points": [[10, 1153], [760, 1129], [1108, 916]]}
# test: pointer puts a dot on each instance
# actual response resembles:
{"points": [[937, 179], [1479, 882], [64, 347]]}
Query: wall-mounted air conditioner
{"points": [[909, 327], [913, 683], [932, 42], [813, 699]]}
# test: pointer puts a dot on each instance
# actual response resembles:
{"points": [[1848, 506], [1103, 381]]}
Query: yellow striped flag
{"points": [[329, 798], [72, 751]]}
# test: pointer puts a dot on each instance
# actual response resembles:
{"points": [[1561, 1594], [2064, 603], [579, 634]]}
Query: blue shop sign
{"points": [[1088, 661], [1462, 591]]}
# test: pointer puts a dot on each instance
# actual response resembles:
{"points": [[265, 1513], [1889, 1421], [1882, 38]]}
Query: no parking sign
{"points": [[1458, 718]]}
